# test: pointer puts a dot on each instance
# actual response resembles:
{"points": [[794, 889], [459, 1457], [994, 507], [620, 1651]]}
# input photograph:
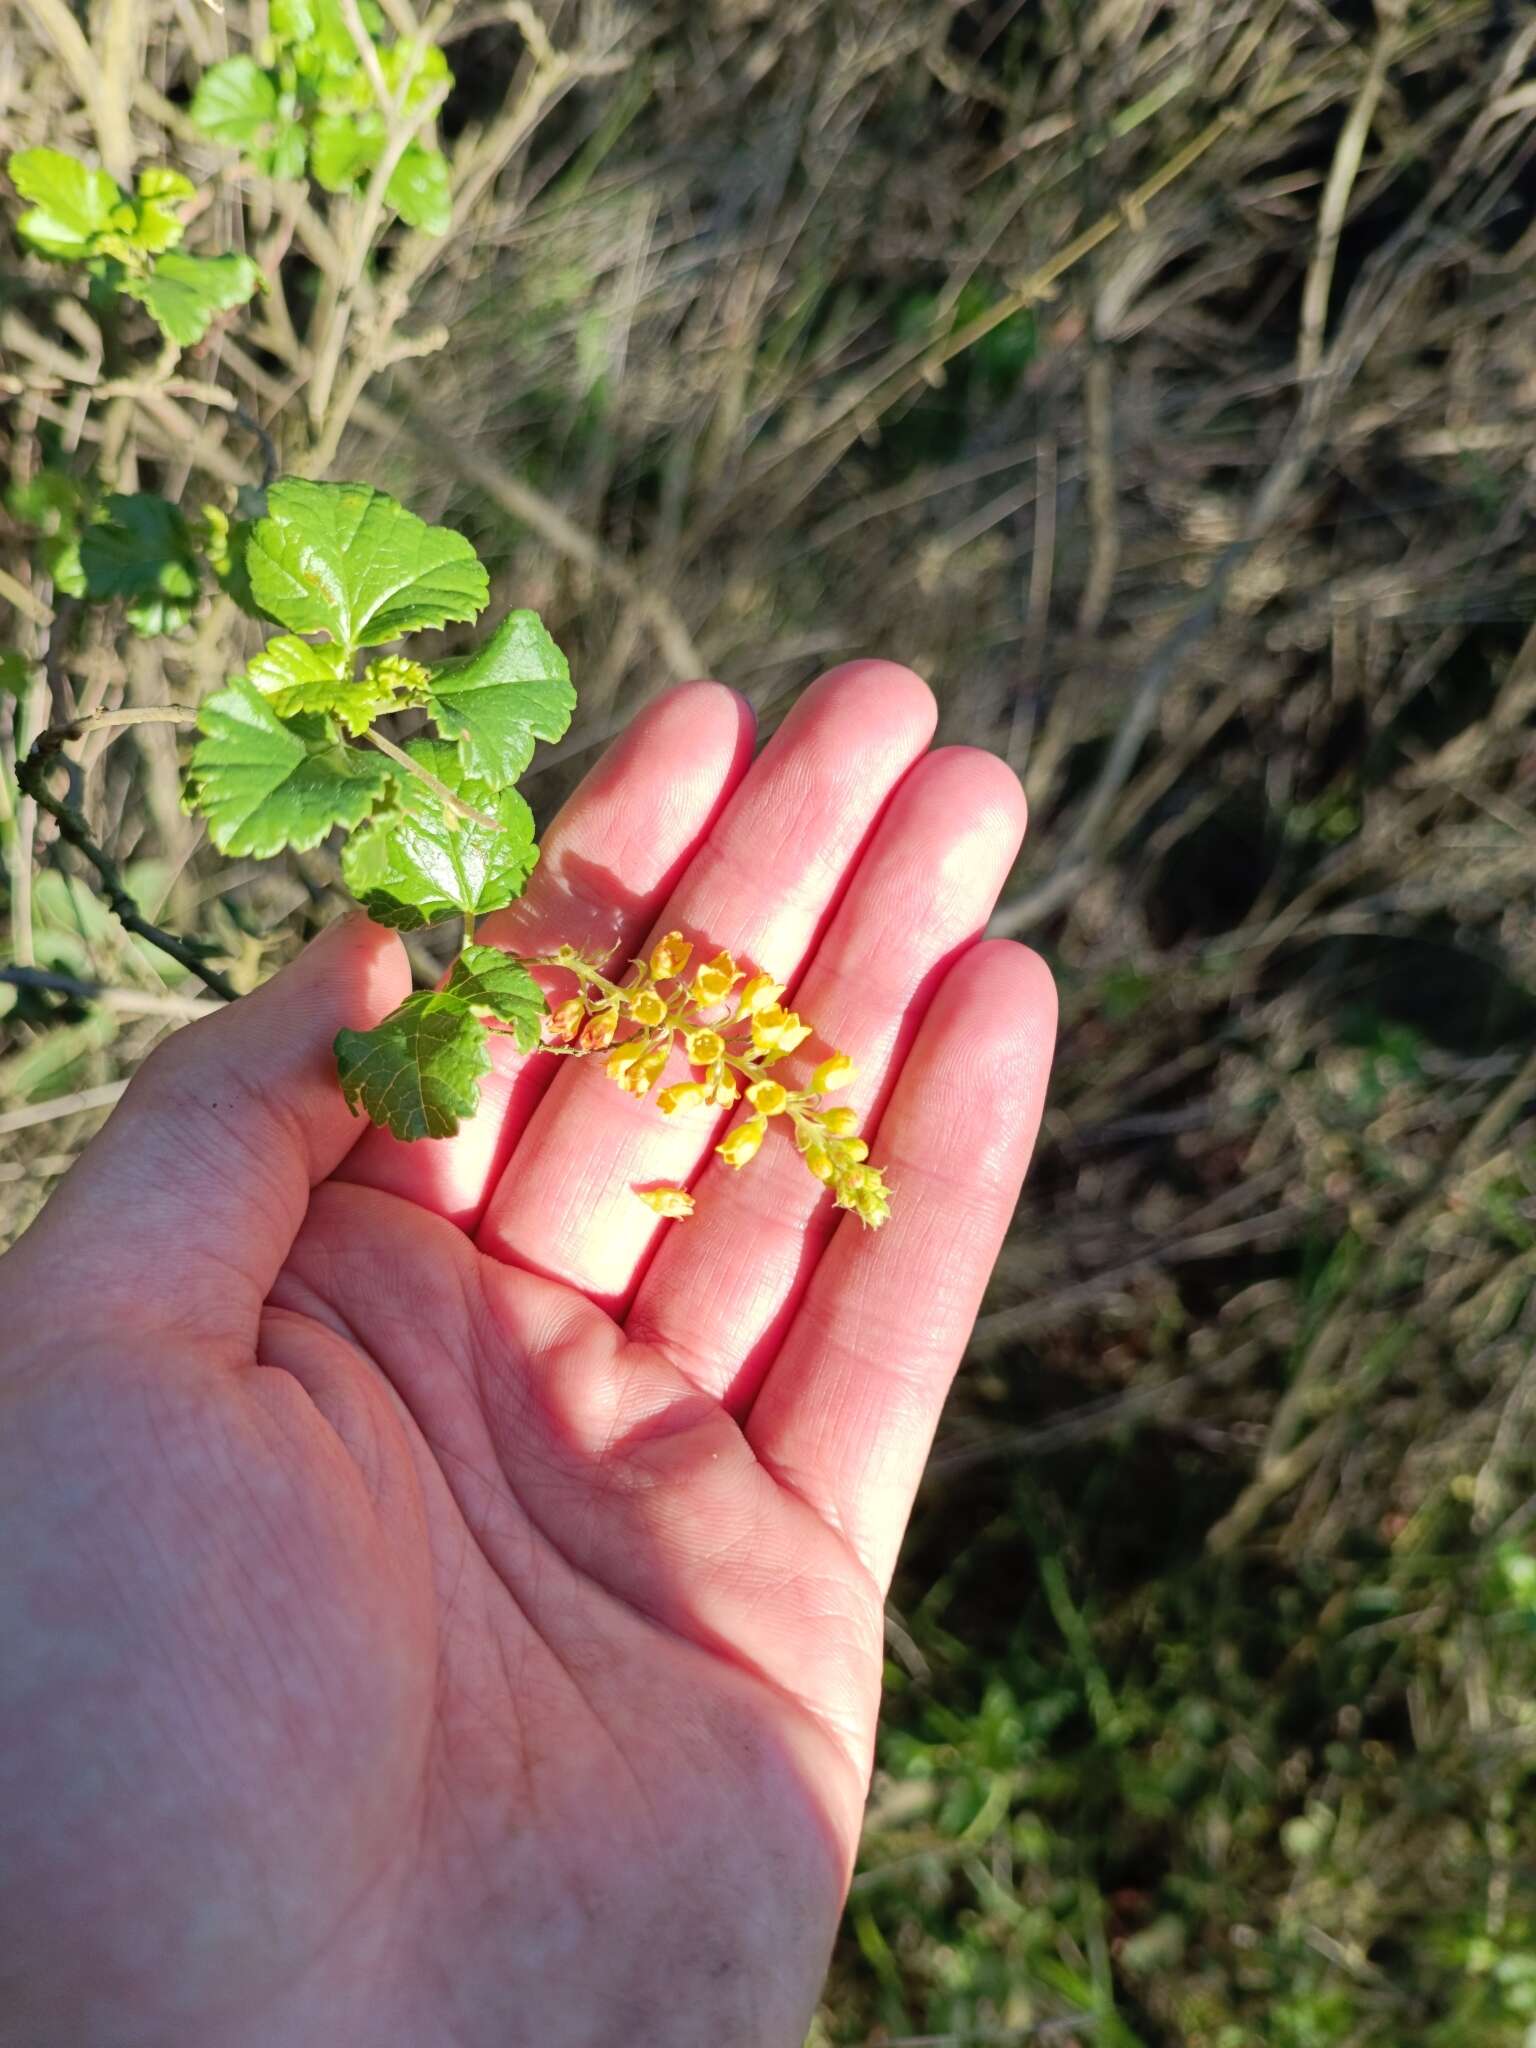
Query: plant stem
{"points": [[440, 790], [32, 779]]}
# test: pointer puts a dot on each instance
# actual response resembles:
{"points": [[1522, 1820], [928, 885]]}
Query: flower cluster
{"points": [[732, 1036]]}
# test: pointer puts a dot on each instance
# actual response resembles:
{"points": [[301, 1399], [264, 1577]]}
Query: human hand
{"points": [[442, 1603]]}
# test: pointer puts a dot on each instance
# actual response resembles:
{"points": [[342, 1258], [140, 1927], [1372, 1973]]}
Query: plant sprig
{"points": [[294, 749]]}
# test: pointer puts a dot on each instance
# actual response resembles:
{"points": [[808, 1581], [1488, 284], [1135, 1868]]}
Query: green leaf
{"points": [[296, 677], [140, 548], [420, 191], [263, 784], [155, 228], [72, 203], [236, 102], [50, 500], [61, 559], [414, 864], [182, 294], [156, 225], [496, 702], [344, 148], [487, 980], [426, 67], [346, 560], [419, 1071], [159, 181], [291, 21]]}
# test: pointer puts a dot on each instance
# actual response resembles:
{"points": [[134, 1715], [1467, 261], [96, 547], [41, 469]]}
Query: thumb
{"points": [[185, 1205]]}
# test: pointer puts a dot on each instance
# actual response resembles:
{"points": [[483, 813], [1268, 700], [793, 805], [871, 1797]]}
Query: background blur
{"points": [[1160, 380]]}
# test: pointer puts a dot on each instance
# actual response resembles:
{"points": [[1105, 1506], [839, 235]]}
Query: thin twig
{"points": [[440, 790], [109, 114], [32, 779], [132, 1002], [62, 1105], [26, 601]]}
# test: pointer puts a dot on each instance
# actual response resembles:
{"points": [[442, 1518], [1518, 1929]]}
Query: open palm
{"points": [[441, 1603]]}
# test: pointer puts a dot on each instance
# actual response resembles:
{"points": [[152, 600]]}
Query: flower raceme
{"points": [[731, 1036]]}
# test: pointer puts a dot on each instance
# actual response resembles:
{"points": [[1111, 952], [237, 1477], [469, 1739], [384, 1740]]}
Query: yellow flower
{"points": [[599, 1031], [776, 1030], [760, 993], [768, 1097], [646, 1007], [669, 956], [740, 1145], [712, 983], [705, 1047], [842, 1123], [621, 1059], [642, 1077], [683, 1095], [563, 1022], [835, 1072], [723, 1090], [854, 1149], [667, 1201]]}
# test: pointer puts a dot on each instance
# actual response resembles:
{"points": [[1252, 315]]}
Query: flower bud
{"points": [[817, 1159], [854, 1149], [667, 1201], [669, 956], [768, 1097], [599, 1030], [863, 1190], [647, 1008], [563, 1022], [740, 1145], [705, 1047], [682, 1095], [835, 1072], [841, 1123]]}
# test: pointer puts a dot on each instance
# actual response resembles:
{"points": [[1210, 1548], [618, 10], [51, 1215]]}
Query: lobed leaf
{"points": [[420, 190], [497, 702], [139, 548], [238, 103], [418, 1072], [486, 979], [72, 203], [345, 560], [263, 784], [414, 864], [344, 148], [235, 102], [183, 294], [425, 66]]}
